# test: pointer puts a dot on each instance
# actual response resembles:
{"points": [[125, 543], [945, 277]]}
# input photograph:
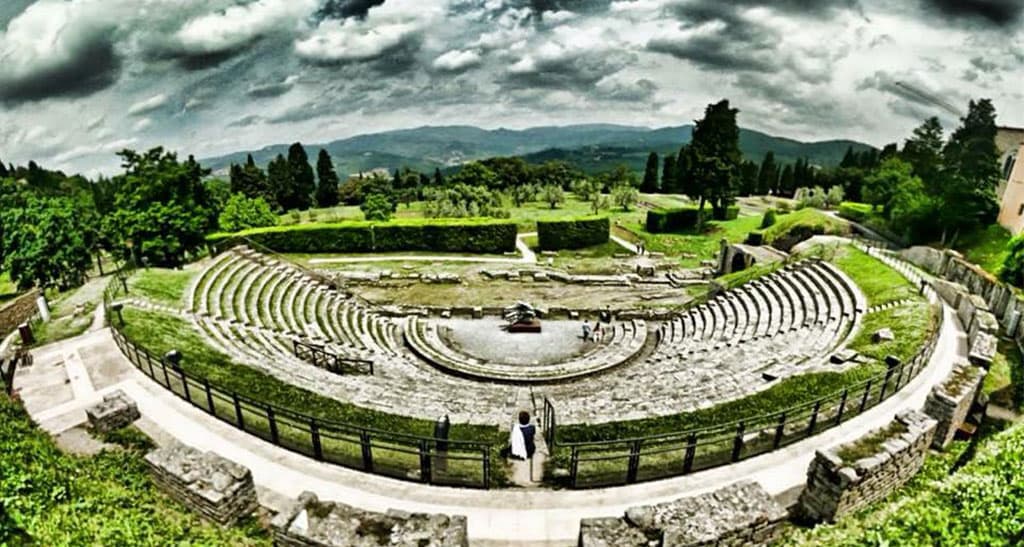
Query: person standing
{"points": [[586, 330]]}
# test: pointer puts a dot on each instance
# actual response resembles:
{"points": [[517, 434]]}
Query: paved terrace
{"points": [[69, 376]]}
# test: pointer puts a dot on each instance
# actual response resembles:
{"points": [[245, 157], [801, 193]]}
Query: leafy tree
{"points": [[834, 196], [380, 185], [1012, 271], [509, 172], [251, 181], [376, 207], [351, 192], [523, 194], [219, 192], [768, 176], [163, 211], [280, 179], [475, 173], [625, 195], [971, 173], [553, 195], [3, 170], [241, 212], [923, 151], [48, 243], [787, 181], [463, 200], [716, 156], [913, 210], [748, 178], [585, 189], [438, 177], [555, 172], [327, 181], [669, 178], [620, 174], [650, 183], [294, 188], [881, 185]]}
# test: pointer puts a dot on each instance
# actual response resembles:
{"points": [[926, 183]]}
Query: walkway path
{"points": [[528, 257], [623, 243], [500, 517]]}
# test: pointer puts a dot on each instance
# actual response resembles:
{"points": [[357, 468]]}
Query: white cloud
{"points": [[383, 29], [142, 125], [148, 105], [236, 26], [457, 60], [93, 149]]}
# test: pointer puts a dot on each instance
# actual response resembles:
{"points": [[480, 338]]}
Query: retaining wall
{"points": [[950, 401], [742, 513], [836, 487], [216, 488], [18, 311]]}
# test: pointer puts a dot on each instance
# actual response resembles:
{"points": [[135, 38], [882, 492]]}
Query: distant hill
{"points": [[592, 147]]}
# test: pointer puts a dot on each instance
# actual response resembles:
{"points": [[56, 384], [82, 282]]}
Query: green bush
{"points": [[857, 212], [755, 238], [731, 212], [768, 220], [660, 221], [450, 236], [554, 235], [802, 225]]}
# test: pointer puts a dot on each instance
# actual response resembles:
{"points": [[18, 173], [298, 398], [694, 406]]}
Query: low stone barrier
{"points": [[950, 292], [216, 488], [742, 513], [836, 487], [115, 411], [18, 311], [311, 523], [983, 349], [950, 401], [970, 304]]}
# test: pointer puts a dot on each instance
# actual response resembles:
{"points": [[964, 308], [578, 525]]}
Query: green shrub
{"points": [[755, 238], [857, 212], [801, 226], [451, 236], [769, 219], [575, 233], [731, 212], [661, 221]]}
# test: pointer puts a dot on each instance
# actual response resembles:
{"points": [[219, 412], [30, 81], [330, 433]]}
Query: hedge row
{"points": [[731, 212], [461, 236], [577, 233], [661, 221]]}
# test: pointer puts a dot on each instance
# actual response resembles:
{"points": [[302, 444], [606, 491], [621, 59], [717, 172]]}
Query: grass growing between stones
{"points": [[968, 495], [160, 333], [63, 327], [1004, 383], [160, 285], [48, 497], [910, 323], [698, 246], [870, 444], [986, 248]]}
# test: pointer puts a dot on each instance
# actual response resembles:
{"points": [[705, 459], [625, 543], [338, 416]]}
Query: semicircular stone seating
{"points": [[625, 342], [253, 307]]}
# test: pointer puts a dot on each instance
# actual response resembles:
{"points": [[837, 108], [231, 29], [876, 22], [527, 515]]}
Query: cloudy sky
{"points": [[80, 79]]}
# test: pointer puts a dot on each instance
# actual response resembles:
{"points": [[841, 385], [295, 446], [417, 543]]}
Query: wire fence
{"points": [[431, 460]]}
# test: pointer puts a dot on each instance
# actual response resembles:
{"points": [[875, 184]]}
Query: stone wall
{"points": [[115, 411], [214, 487], [742, 513], [950, 401], [311, 523], [836, 487], [18, 311]]}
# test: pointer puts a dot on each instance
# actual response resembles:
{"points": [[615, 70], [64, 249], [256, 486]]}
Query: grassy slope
{"points": [[986, 248], [161, 285], [880, 285], [51, 498]]}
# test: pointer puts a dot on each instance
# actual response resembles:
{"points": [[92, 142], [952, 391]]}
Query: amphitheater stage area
{"points": [[487, 339]]}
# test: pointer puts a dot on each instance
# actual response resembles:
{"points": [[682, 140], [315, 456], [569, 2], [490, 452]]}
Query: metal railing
{"points": [[630, 460], [319, 357], [398, 455], [9, 365]]}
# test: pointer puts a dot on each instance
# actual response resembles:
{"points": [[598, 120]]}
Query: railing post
{"points": [[273, 424], [885, 384], [864, 399], [691, 452], [899, 379], [367, 450], [425, 462], [184, 384], [842, 407], [814, 418], [487, 467], [167, 376], [149, 361], [737, 442], [314, 433], [209, 396], [574, 467], [780, 431], [239, 418], [634, 462]]}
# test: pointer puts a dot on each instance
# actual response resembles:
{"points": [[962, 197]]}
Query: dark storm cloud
{"points": [[92, 66], [999, 13], [343, 9], [270, 89], [983, 64], [736, 44], [573, 70]]}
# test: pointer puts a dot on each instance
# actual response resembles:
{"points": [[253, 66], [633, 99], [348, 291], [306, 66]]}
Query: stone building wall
{"points": [[950, 401], [18, 311], [836, 487], [742, 513], [311, 523], [214, 487]]}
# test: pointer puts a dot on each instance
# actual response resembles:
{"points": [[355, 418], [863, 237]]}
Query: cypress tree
{"points": [[650, 182], [327, 181], [768, 177], [303, 182], [669, 178]]}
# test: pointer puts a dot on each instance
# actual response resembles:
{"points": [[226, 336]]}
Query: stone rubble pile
{"points": [[214, 487], [115, 411], [311, 523], [742, 513]]}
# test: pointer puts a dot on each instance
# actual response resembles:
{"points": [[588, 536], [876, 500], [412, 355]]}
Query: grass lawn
{"points": [[63, 327], [161, 285], [598, 259], [695, 247], [791, 228], [1004, 382], [52, 498], [986, 248], [880, 284], [8, 289]]}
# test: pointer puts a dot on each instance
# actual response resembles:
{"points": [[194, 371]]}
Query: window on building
{"points": [[1020, 211], [1008, 167]]}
